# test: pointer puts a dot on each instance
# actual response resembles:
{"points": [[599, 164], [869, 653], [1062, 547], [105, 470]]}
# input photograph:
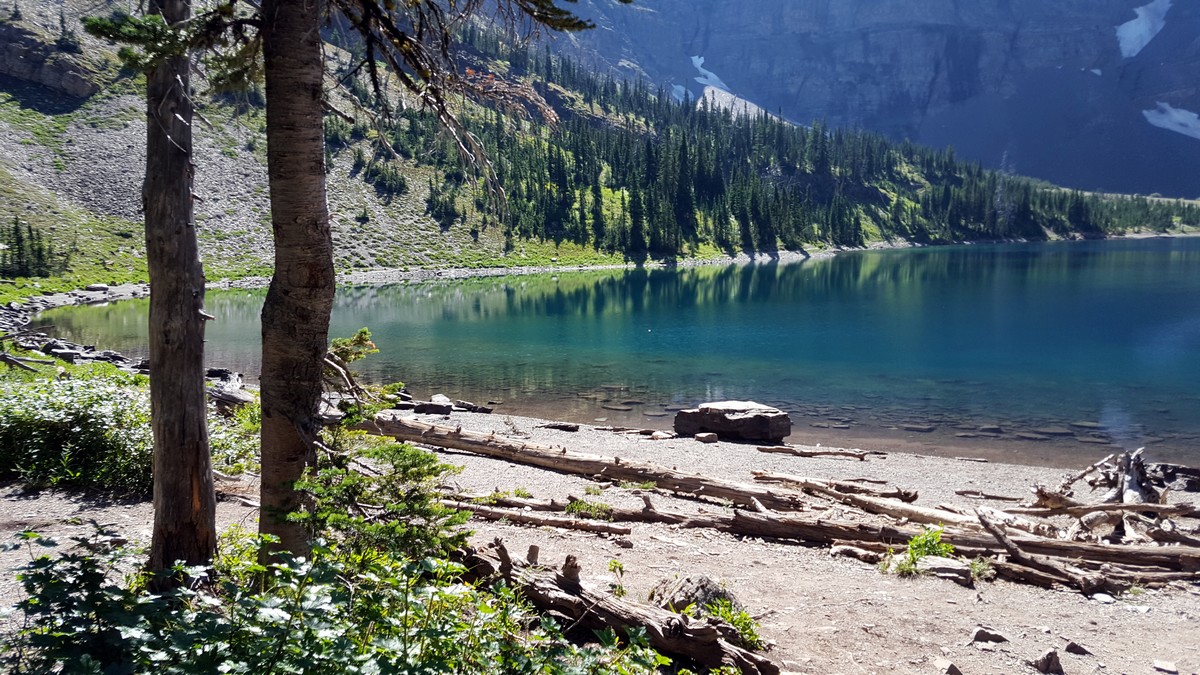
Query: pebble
{"points": [[1104, 598], [1165, 667]]}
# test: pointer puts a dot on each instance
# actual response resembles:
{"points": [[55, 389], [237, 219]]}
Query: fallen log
{"points": [[707, 642], [579, 463], [647, 514], [1086, 582], [531, 518], [872, 504], [842, 487], [797, 452], [1080, 510]]}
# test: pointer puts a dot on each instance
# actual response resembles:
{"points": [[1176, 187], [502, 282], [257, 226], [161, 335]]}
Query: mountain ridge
{"points": [[1043, 89]]}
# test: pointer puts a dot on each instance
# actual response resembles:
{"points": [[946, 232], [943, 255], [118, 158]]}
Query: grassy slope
{"points": [[233, 220]]}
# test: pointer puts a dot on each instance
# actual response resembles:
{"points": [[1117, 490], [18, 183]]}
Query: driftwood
{"points": [[529, 518], [708, 642], [797, 452], [1085, 581], [1080, 510], [873, 504], [20, 362], [647, 514], [563, 460], [979, 494], [822, 487], [1074, 478]]}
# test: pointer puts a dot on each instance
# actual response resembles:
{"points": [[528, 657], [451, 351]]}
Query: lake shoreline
{"points": [[884, 428], [15, 316]]}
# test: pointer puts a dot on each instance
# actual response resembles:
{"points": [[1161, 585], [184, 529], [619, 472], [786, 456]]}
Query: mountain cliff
{"points": [[1092, 94]]}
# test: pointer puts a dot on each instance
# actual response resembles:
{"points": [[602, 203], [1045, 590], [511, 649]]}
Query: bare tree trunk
{"points": [[295, 318], [184, 502]]}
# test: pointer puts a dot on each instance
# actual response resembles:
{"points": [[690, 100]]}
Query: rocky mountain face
{"points": [[27, 54], [1094, 94]]}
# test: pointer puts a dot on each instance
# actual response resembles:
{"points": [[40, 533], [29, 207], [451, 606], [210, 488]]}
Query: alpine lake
{"points": [[1054, 353]]}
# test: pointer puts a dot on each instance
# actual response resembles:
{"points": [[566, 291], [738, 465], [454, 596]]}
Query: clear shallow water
{"points": [[1026, 337]]}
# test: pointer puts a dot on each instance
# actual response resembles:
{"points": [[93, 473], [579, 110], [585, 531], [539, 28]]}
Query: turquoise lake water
{"points": [[1030, 338]]}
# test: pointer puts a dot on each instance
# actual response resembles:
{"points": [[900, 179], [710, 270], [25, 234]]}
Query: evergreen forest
{"points": [[629, 169]]}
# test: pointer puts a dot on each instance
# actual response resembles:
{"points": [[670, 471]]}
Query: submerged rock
{"points": [[738, 420]]}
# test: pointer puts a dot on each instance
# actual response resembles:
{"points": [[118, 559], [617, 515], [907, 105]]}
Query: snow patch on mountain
{"points": [[709, 78], [1136, 33], [1174, 119]]}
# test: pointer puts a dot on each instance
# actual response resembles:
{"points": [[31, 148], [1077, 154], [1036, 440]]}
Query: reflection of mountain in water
{"points": [[1019, 336]]}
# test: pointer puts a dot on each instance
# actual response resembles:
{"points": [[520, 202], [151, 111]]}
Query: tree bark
{"points": [[295, 317], [184, 501]]}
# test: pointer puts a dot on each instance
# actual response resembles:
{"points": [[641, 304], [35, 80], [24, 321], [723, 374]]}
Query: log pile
{"points": [[1130, 536], [562, 593]]}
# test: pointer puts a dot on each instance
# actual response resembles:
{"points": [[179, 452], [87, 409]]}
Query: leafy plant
{"points": [[592, 491], [374, 494], [741, 620], [338, 612], [618, 570], [78, 433], [928, 543], [981, 569], [587, 509]]}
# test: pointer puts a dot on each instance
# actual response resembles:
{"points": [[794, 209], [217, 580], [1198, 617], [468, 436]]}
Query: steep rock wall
{"points": [[1040, 87]]}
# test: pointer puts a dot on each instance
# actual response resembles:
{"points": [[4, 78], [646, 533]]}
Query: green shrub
{"points": [[586, 509], [78, 432], [394, 506], [745, 624], [337, 613], [927, 543], [234, 441]]}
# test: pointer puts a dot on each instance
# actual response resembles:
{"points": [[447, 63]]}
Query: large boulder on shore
{"points": [[735, 420]]}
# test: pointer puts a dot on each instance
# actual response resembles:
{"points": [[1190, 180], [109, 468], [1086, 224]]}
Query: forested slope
{"points": [[626, 173]]}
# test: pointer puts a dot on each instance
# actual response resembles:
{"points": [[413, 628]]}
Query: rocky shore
{"points": [[823, 614]]}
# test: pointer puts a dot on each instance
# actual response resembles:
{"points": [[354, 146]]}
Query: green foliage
{"points": [[982, 569], [589, 509], [79, 433], [592, 490], [376, 495], [337, 613], [746, 626], [618, 571], [234, 440], [24, 252], [146, 40], [929, 542], [355, 347]]}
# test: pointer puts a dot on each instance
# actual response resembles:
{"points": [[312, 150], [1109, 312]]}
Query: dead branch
{"points": [[797, 452], [818, 486], [527, 518], [1086, 582], [978, 494], [708, 642]]}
